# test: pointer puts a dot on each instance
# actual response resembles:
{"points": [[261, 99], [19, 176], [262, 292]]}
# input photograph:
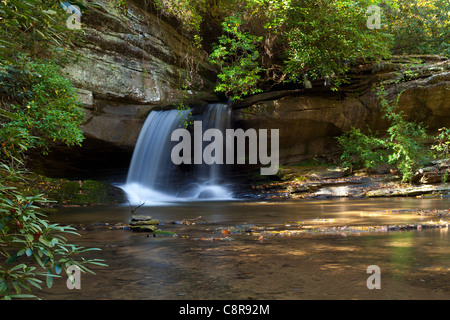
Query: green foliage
{"points": [[14, 142], [318, 38], [362, 150], [236, 56], [29, 242], [122, 5], [44, 104], [420, 27], [266, 42], [404, 147], [185, 117], [442, 143], [187, 11], [37, 106], [326, 36], [407, 140], [31, 26]]}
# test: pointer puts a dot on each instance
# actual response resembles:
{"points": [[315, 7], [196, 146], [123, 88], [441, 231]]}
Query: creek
{"points": [[253, 250], [211, 245]]}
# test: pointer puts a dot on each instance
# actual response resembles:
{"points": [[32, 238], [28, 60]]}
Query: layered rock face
{"points": [[136, 62], [309, 120], [130, 64]]}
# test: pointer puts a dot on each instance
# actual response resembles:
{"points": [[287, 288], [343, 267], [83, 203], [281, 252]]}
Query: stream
{"points": [[308, 249]]}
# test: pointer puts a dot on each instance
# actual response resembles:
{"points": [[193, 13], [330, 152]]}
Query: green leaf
{"points": [[8, 114], [35, 283], [12, 258], [49, 278], [21, 252], [23, 296], [3, 286], [16, 267], [58, 268], [36, 257]]}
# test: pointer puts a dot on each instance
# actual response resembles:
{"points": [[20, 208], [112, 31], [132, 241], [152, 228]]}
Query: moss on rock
{"points": [[71, 192]]}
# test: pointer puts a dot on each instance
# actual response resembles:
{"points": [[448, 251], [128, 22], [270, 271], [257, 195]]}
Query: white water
{"points": [[152, 177], [217, 116]]}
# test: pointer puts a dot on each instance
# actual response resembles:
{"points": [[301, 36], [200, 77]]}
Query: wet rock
{"points": [[298, 189], [131, 64], [144, 228], [140, 218], [409, 191], [143, 223], [431, 177], [432, 174], [158, 233]]}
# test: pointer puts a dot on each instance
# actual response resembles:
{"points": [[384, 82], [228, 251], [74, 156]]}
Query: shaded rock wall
{"points": [[309, 120], [130, 64], [134, 63]]}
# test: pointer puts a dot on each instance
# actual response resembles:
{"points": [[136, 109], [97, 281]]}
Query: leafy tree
{"points": [[31, 26], [442, 143], [236, 55], [264, 42], [404, 147], [325, 37], [420, 27], [407, 140], [37, 106], [288, 40], [362, 150], [28, 242], [44, 104]]}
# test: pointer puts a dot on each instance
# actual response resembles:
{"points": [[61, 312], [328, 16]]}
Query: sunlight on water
{"points": [[234, 250]]}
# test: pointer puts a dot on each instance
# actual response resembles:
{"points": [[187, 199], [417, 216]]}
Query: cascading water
{"points": [[207, 182], [154, 178]]}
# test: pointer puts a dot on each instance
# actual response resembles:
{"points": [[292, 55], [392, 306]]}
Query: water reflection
{"points": [[414, 264]]}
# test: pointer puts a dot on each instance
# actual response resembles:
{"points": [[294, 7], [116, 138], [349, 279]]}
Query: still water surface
{"points": [[252, 260]]}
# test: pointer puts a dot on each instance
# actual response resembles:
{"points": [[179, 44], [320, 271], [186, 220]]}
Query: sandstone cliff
{"points": [[130, 63], [136, 62]]}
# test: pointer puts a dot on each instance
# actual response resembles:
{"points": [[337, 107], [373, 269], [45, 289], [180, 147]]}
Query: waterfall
{"points": [[216, 116], [153, 178]]}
